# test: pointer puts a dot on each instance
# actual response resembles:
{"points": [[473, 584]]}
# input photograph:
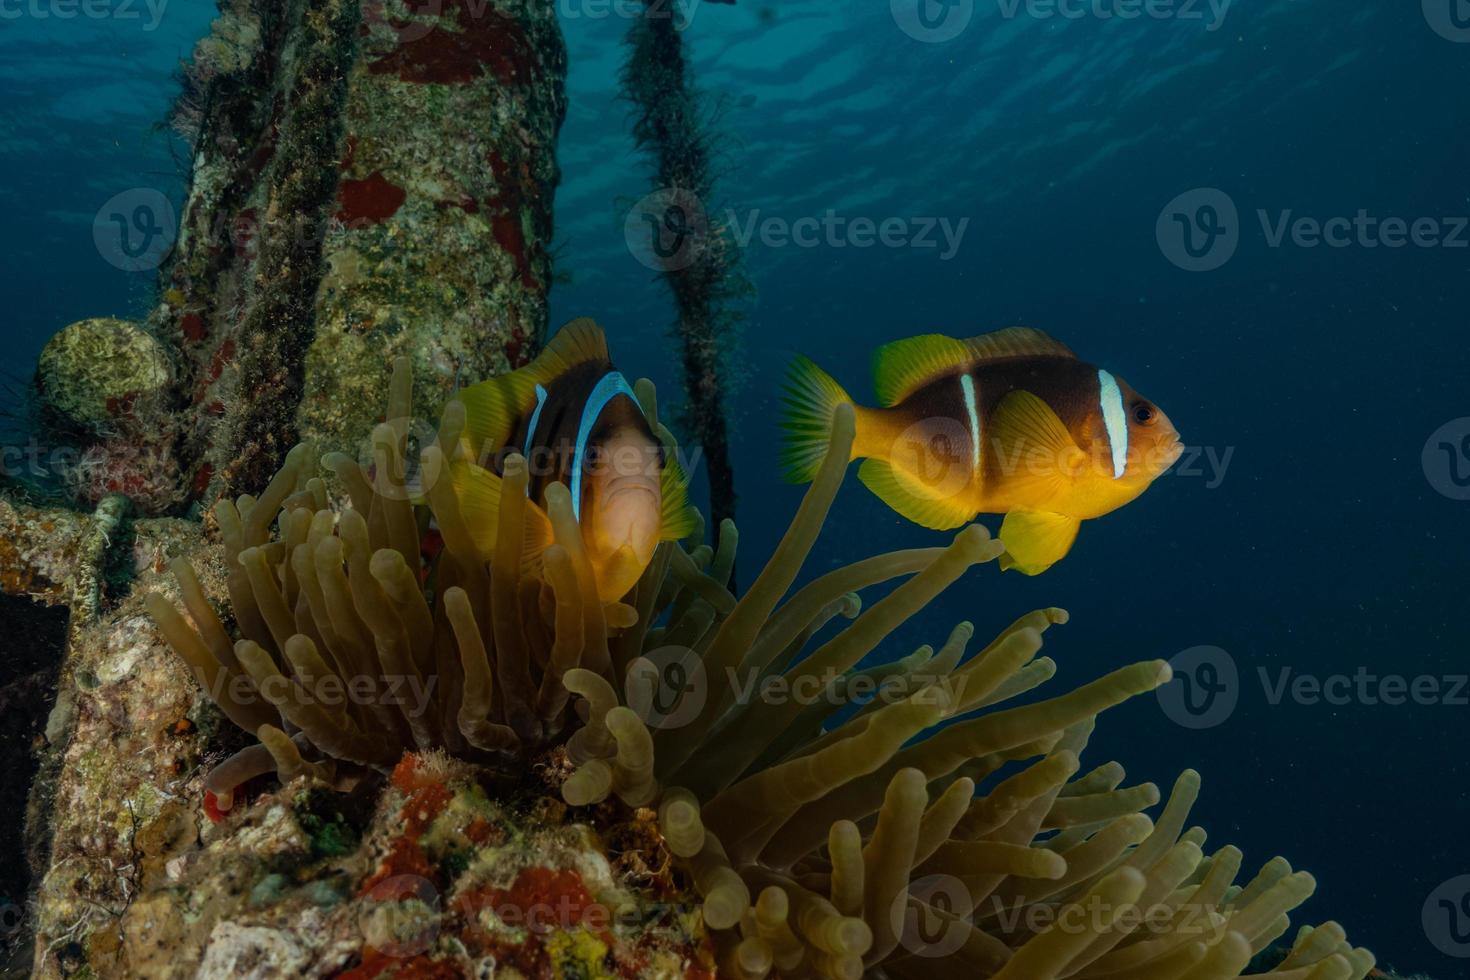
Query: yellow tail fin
{"points": [[811, 398]]}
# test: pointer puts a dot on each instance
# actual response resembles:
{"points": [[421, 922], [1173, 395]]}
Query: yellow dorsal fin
{"points": [[912, 499], [1036, 540], [577, 342], [494, 408], [1015, 342], [1037, 457], [678, 518], [478, 491], [905, 366]]}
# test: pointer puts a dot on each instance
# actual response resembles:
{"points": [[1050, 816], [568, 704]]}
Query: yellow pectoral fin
{"points": [[1036, 540], [479, 492], [912, 499], [618, 574], [1037, 457], [677, 519]]}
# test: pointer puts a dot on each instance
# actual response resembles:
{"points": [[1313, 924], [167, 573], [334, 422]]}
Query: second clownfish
{"points": [[1010, 423], [575, 419]]}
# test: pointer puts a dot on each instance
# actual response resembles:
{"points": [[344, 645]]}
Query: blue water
{"points": [[1317, 372]]}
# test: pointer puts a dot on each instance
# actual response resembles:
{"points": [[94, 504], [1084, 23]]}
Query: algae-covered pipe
{"points": [[670, 125], [362, 187]]}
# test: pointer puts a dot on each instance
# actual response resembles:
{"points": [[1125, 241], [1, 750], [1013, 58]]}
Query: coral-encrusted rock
{"points": [[232, 43], [440, 243], [97, 371], [424, 876]]}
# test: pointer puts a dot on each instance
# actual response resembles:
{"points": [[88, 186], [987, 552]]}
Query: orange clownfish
{"points": [[576, 421], [1006, 423]]}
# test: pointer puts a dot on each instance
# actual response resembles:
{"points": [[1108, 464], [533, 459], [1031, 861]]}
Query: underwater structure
{"points": [[529, 783], [673, 127]]}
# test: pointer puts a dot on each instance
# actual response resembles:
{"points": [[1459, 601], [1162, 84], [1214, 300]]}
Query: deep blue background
{"points": [[1324, 548]]}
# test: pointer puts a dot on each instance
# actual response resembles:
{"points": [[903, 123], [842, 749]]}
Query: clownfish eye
{"points": [[1144, 413]]}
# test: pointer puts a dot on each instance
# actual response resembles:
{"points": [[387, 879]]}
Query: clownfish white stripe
{"points": [[1110, 399], [531, 429], [967, 386], [611, 386]]}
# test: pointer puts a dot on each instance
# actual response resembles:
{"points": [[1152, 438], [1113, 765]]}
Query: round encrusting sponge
{"points": [[96, 371]]}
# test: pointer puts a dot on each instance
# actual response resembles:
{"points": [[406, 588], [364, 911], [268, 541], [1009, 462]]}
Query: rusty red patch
{"points": [[211, 808], [193, 327], [223, 356], [510, 236], [372, 200], [469, 40], [377, 964]]}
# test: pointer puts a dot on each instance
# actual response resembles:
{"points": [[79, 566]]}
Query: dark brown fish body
{"points": [[551, 448]]}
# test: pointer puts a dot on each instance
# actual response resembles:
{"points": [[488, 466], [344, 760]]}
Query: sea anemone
{"points": [[837, 819]]}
